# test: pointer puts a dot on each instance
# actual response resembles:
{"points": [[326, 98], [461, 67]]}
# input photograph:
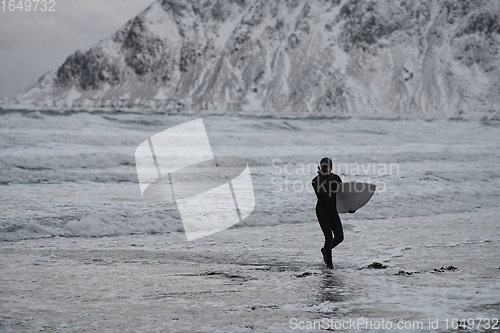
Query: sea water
{"points": [[73, 173]]}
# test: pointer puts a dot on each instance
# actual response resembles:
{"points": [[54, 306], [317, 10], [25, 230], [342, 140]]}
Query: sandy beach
{"points": [[257, 279]]}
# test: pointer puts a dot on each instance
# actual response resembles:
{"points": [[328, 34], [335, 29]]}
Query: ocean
{"points": [[73, 173], [82, 250]]}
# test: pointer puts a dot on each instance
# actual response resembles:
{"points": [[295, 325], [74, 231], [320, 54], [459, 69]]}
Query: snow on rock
{"points": [[413, 58]]}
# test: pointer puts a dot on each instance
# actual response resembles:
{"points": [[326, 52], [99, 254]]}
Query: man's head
{"points": [[326, 165]]}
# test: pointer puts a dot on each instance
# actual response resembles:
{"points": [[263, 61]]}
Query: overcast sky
{"points": [[32, 43]]}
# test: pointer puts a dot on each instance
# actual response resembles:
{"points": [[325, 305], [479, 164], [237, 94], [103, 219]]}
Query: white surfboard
{"points": [[354, 195]]}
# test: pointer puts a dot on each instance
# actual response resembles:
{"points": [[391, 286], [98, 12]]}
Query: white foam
{"points": [[64, 168]]}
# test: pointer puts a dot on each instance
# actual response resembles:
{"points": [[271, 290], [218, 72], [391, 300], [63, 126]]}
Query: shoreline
{"points": [[254, 279]]}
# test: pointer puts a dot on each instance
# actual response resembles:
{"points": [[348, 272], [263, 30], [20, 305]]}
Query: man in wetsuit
{"points": [[326, 185]]}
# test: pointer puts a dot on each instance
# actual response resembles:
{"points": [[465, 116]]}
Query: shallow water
{"points": [[260, 279]]}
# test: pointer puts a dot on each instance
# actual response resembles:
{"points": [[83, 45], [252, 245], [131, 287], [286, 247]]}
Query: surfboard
{"points": [[354, 195]]}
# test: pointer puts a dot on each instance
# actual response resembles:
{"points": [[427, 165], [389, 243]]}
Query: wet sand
{"points": [[255, 279]]}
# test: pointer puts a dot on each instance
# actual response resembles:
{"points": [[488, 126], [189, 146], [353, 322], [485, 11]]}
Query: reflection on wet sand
{"points": [[331, 288]]}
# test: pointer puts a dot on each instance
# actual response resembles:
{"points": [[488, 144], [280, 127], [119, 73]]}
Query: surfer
{"points": [[326, 185]]}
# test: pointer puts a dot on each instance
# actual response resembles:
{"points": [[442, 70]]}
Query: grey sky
{"points": [[32, 43]]}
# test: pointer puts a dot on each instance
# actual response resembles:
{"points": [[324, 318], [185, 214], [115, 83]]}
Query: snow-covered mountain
{"points": [[404, 58]]}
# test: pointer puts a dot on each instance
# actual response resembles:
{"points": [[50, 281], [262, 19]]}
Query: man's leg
{"points": [[338, 231], [324, 223]]}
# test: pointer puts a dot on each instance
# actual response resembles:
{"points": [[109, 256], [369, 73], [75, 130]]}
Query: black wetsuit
{"points": [[326, 187]]}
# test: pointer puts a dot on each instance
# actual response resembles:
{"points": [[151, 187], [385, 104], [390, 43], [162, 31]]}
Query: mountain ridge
{"points": [[413, 58]]}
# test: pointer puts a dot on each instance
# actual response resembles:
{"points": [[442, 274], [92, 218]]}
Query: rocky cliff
{"points": [[404, 58]]}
